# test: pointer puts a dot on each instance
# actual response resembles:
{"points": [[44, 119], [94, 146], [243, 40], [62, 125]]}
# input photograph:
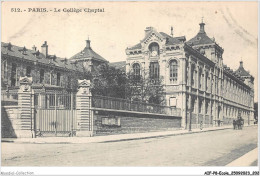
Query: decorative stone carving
{"points": [[83, 87], [25, 84]]}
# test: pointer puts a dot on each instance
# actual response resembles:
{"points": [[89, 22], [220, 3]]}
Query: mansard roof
{"points": [[8, 49], [88, 53], [202, 38], [234, 75]]}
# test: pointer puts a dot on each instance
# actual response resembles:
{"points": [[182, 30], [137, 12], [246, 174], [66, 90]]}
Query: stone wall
{"points": [[9, 121], [134, 125]]}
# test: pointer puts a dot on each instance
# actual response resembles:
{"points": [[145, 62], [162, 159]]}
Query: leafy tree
{"points": [[108, 81], [144, 88]]}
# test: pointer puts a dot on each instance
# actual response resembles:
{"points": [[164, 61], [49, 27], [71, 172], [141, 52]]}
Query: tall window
{"points": [[200, 79], [41, 75], [13, 75], [193, 76], [207, 107], [28, 71], [136, 69], [173, 71], [58, 79], [154, 70], [200, 106], [206, 83]]}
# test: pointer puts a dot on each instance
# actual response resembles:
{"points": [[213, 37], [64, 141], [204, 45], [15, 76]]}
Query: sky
{"points": [[234, 25]]}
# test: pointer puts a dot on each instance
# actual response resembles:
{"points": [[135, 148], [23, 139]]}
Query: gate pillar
{"points": [[84, 112], [25, 121]]}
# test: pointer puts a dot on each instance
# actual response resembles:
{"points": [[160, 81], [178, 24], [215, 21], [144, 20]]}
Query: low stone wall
{"points": [[124, 125], [9, 121]]}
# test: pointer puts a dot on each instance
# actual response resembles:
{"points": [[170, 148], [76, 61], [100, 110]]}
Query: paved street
{"points": [[216, 148]]}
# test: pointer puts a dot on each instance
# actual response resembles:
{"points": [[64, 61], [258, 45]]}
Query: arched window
{"points": [[173, 71], [136, 69], [154, 49]]}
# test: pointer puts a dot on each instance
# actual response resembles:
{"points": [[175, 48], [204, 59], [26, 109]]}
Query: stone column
{"points": [[25, 122], [84, 112], [190, 74], [204, 100], [183, 84]]}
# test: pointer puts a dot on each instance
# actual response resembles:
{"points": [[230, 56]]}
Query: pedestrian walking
{"points": [[201, 125]]}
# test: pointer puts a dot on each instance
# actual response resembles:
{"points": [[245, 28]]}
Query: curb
{"points": [[96, 140], [111, 140]]}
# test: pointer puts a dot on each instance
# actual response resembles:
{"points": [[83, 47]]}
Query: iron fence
{"points": [[127, 105], [55, 101]]}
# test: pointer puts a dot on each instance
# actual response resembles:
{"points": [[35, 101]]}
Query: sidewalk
{"points": [[109, 138], [245, 160]]}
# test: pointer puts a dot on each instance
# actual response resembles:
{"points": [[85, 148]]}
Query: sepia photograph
{"points": [[125, 85]]}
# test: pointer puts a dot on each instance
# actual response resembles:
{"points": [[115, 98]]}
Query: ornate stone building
{"points": [[194, 77], [48, 72]]}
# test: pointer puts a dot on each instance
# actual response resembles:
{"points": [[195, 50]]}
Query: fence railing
{"points": [[127, 105], [55, 101], [9, 99]]}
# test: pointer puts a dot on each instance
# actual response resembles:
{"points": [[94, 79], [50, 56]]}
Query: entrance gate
{"points": [[55, 114]]}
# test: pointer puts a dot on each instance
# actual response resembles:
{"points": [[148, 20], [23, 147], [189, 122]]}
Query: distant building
{"points": [[49, 72], [194, 76], [88, 58], [118, 65]]}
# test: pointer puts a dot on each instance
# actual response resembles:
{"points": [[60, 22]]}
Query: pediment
{"points": [[25, 80], [84, 83], [153, 36]]}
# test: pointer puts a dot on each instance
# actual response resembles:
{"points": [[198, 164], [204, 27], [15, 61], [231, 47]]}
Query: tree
{"points": [[108, 81], [144, 88]]}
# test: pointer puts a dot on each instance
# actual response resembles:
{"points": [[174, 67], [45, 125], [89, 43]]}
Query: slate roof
{"points": [[241, 71], [36, 56], [173, 40], [87, 52], [201, 38]]}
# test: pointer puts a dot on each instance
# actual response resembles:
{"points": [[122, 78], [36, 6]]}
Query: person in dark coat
{"points": [[234, 124]]}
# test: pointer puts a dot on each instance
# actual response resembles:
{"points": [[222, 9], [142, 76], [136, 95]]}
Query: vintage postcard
{"points": [[129, 84]]}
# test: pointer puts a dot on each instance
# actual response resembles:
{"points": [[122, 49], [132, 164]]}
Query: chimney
{"points": [[88, 43], [45, 49], [202, 27], [9, 46], [34, 48], [171, 31], [147, 30], [241, 64]]}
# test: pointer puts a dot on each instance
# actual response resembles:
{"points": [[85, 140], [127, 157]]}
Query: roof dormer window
{"points": [[23, 50]]}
